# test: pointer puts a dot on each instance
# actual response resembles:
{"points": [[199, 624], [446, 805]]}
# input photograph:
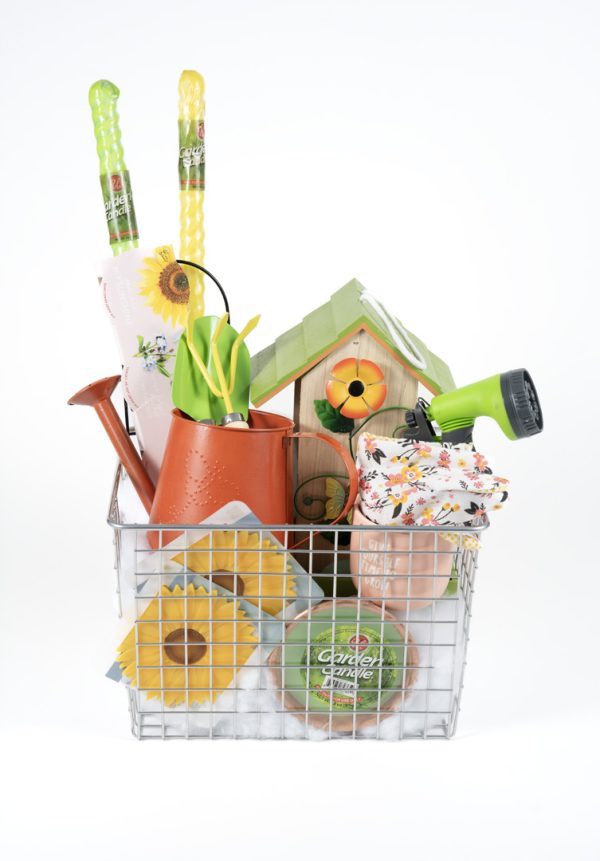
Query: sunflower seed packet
{"points": [[145, 293], [245, 564]]}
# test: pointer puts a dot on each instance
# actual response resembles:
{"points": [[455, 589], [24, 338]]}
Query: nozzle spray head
{"points": [[521, 403], [510, 399]]}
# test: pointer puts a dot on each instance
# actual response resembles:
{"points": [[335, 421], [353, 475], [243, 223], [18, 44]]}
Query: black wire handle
{"points": [[131, 430], [212, 277]]}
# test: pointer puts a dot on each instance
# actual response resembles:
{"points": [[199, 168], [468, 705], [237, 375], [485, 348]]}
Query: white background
{"points": [[444, 153]]}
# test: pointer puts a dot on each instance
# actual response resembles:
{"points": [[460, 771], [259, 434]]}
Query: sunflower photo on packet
{"points": [[146, 294], [187, 646]]}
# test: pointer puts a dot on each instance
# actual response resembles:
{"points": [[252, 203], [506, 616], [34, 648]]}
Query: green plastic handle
{"points": [[460, 408], [114, 176], [190, 392]]}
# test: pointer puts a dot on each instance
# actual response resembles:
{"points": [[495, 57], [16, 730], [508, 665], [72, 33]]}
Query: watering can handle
{"points": [[343, 452]]}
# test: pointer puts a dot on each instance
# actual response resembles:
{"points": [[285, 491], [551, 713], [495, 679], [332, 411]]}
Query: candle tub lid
{"points": [[344, 663]]}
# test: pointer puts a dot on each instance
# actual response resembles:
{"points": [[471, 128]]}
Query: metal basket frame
{"points": [[426, 708]]}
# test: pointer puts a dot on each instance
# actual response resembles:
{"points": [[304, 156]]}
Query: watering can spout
{"points": [[97, 395], [101, 390]]}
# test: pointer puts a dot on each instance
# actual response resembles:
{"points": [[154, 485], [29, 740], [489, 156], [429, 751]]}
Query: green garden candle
{"points": [[114, 176], [345, 663]]}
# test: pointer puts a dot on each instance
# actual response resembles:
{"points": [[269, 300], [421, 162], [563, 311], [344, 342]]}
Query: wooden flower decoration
{"points": [[356, 388]]}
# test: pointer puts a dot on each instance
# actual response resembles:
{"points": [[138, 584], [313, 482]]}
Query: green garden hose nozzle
{"points": [[509, 398]]}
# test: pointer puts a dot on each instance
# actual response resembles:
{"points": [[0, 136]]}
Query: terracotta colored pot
{"points": [[397, 566], [206, 466]]}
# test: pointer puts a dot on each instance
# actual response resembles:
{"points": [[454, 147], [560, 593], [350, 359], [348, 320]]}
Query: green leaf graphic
{"points": [[331, 418], [451, 587]]}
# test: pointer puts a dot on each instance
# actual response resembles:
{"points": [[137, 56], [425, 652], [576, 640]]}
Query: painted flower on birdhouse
{"points": [[356, 388]]}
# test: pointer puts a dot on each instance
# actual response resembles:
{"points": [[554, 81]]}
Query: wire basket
{"points": [[230, 632]]}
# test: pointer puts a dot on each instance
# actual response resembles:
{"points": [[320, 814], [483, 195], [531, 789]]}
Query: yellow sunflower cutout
{"points": [[165, 286], [185, 633], [261, 569], [357, 387], [336, 497]]}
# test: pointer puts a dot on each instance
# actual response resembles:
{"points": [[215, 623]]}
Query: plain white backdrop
{"points": [[444, 153]]}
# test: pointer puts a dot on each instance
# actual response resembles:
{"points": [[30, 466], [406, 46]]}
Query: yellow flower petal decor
{"points": [[357, 387], [187, 646], [253, 569], [336, 497], [345, 370], [459, 539], [165, 286]]}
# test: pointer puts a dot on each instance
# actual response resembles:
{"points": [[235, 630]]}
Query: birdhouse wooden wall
{"points": [[316, 458]]}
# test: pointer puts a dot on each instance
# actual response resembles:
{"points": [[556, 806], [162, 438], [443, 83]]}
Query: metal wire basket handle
{"points": [[212, 277]]}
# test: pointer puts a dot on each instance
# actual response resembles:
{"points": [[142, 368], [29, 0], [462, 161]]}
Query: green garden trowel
{"points": [[509, 398], [212, 373]]}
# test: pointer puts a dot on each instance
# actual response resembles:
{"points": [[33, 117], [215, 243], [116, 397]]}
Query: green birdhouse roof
{"points": [[350, 310]]}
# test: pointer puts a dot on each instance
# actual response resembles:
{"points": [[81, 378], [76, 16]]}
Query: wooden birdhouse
{"points": [[348, 359]]}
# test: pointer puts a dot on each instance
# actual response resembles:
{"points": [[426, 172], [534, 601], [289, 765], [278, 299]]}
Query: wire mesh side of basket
{"points": [[214, 652]]}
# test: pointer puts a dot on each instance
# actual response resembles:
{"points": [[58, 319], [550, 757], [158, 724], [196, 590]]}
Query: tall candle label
{"points": [[191, 154], [118, 206]]}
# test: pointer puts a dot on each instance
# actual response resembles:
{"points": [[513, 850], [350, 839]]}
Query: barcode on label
{"points": [[333, 683]]}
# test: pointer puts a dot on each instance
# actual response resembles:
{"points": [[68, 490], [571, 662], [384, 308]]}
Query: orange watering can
{"points": [[206, 466]]}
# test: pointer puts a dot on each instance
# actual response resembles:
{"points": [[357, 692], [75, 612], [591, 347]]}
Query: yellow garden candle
{"points": [[191, 184]]}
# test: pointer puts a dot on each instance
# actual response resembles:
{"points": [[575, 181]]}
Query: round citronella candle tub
{"points": [[407, 570], [348, 662]]}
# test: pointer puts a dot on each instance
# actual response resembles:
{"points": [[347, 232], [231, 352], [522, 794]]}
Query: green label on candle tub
{"points": [[344, 662], [191, 154], [118, 206], [351, 668]]}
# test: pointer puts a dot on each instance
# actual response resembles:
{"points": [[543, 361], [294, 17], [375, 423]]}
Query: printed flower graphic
{"points": [[426, 516], [370, 444], [481, 463], [444, 459], [410, 474], [182, 648], [356, 388], [155, 355], [336, 497], [393, 479], [257, 571], [372, 450], [165, 286], [477, 512]]}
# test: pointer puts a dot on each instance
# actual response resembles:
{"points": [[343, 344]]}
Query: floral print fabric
{"points": [[410, 483]]}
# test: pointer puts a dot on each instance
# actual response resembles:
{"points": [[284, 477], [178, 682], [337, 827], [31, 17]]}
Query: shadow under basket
{"points": [[226, 633]]}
